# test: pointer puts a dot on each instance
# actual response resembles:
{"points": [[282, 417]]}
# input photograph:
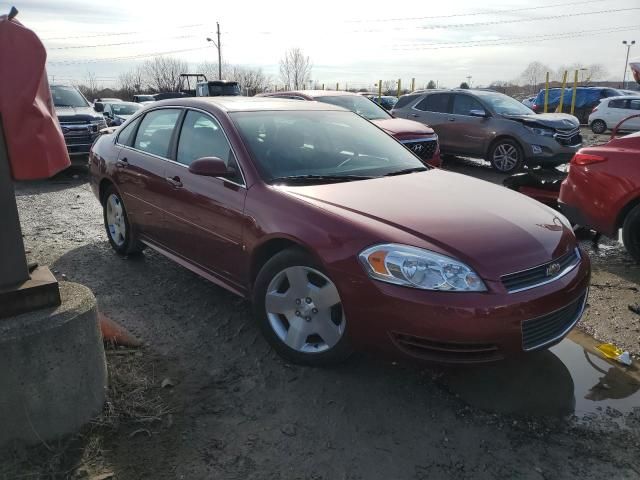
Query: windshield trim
{"points": [[386, 115]]}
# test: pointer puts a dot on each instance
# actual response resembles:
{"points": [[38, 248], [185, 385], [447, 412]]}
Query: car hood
{"points": [[493, 229], [401, 128], [561, 121], [77, 114]]}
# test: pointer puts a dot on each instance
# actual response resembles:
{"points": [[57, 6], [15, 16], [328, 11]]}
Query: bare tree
{"points": [[295, 69], [90, 86], [389, 87], [431, 84], [534, 74], [163, 74], [251, 80], [132, 82]]}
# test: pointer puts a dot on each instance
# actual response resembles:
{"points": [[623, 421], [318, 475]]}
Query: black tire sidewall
{"points": [[129, 245], [631, 233], [291, 258], [598, 122], [507, 141]]}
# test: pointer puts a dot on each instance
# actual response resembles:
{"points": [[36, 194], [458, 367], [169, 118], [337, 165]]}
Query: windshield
{"points": [[125, 108], [357, 104], [503, 104], [224, 90], [144, 98], [67, 97], [322, 143]]}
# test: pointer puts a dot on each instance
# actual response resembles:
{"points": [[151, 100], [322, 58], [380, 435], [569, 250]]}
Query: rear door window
{"points": [[156, 129], [125, 137], [463, 104], [437, 102], [618, 103], [634, 104]]}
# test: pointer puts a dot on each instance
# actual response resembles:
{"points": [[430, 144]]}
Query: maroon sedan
{"points": [[341, 237], [416, 136]]}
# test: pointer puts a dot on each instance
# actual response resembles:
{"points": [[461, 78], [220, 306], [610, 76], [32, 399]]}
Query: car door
{"points": [[467, 133], [433, 110], [205, 214], [616, 110], [140, 169], [634, 109]]}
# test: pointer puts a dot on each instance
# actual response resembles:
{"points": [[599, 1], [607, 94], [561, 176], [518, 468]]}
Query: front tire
{"points": [[299, 310], [598, 127], [631, 233], [116, 223], [506, 156]]}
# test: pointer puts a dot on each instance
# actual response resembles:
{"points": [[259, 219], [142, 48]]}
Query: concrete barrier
{"points": [[53, 373]]}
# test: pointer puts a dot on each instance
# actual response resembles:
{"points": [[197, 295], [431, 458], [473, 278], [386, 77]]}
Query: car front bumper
{"points": [[461, 328], [547, 151]]}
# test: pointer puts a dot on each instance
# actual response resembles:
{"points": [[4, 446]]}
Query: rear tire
{"points": [[631, 233], [506, 156], [598, 127], [299, 310], [116, 222]]}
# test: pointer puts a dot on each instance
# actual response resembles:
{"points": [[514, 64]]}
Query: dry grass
{"points": [[133, 402]]}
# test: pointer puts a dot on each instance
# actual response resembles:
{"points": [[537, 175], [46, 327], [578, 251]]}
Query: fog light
{"points": [[537, 149]]}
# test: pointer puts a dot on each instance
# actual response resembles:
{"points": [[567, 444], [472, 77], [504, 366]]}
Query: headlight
{"points": [[545, 132], [98, 124], [418, 268]]}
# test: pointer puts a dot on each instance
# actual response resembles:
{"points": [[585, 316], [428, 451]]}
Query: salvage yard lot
{"points": [[236, 410]]}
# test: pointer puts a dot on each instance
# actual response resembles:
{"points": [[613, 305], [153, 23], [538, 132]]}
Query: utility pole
{"points": [[628, 45], [218, 46], [469, 77]]}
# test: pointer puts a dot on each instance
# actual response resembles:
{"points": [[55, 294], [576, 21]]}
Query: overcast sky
{"points": [[354, 43]]}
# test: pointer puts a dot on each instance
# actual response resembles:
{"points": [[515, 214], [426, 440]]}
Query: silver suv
{"points": [[493, 126]]}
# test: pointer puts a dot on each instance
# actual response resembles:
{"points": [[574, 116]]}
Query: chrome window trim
{"points": [[565, 331], [433, 138], [243, 185], [564, 272]]}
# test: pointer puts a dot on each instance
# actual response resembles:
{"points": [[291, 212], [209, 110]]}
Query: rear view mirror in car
{"points": [[210, 167], [478, 113]]}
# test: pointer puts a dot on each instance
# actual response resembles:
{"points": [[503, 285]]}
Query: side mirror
{"points": [[210, 167], [98, 107], [478, 113]]}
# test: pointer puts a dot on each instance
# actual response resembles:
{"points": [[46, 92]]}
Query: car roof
{"points": [[318, 93], [623, 97], [248, 104]]}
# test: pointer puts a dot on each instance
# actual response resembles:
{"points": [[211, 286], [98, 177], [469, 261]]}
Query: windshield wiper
{"points": [[319, 178], [407, 170]]}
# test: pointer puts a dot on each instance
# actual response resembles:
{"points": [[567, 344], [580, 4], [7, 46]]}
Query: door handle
{"points": [[452, 119], [122, 163], [415, 115], [174, 181]]}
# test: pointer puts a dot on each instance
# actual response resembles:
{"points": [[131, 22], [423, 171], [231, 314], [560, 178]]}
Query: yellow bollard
{"points": [[413, 84], [379, 91], [323, 86], [399, 84], [564, 84], [575, 88], [546, 93], [337, 86]]}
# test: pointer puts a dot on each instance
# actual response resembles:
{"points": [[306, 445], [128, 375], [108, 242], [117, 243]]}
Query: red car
{"points": [[416, 136], [602, 190], [341, 237]]}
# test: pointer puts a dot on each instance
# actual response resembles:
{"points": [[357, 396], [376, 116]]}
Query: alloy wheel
{"points": [[506, 157], [117, 226], [304, 310]]}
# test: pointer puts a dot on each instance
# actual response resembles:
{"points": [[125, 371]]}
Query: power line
{"points": [[512, 40], [485, 12], [130, 57], [69, 47], [115, 33]]}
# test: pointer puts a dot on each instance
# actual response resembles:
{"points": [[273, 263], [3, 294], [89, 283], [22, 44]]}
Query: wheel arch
{"points": [[626, 209], [267, 249], [105, 183], [501, 137]]}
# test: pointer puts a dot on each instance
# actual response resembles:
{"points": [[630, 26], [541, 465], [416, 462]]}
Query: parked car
{"points": [[491, 125], [611, 111], [215, 88], [107, 100], [119, 112], [602, 190], [529, 102], [341, 237], [385, 101], [419, 138], [79, 122], [586, 99], [140, 98]]}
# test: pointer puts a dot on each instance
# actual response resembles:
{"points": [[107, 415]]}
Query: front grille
{"points": [[542, 274], [423, 148], [438, 351], [543, 331], [569, 137]]}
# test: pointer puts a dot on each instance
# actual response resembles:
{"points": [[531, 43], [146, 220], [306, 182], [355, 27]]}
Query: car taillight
{"points": [[534, 107], [594, 109], [586, 159]]}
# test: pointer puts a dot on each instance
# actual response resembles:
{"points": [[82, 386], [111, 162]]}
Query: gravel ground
{"points": [[236, 410]]}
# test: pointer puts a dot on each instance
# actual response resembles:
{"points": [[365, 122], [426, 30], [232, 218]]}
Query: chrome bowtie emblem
{"points": [[553, 269]]}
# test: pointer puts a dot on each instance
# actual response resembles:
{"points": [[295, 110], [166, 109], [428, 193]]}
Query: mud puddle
{"points": [[570, 378]]}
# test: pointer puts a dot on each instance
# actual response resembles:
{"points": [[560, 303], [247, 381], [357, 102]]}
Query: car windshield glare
{"points": [[67, 97], [125, 108], [357, 104], [321, 144], [504, 105]]}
